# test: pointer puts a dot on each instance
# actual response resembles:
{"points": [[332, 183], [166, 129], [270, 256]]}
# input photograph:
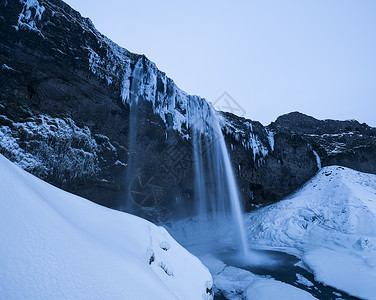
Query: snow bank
{"points": [[266, 289], [55, 245], [344, 270], [332, 223]]}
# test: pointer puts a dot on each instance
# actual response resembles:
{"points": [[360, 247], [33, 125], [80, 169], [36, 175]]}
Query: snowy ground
{"points": [[331, 225], [55, 245]]}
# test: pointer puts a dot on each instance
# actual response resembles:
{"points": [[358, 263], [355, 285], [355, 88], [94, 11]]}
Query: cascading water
{"points": [[132, 133], [216, 193], [233, 193], [217, 199]]}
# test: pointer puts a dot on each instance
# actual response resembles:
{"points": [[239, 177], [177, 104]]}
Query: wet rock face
{"points": [[65, 115]]}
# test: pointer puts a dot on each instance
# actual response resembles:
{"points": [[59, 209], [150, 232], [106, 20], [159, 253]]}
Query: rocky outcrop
{"points": [[345, 143], [92, 118]]}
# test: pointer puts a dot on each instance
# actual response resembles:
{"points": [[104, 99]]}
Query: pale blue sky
{"points": [[271, 56]]}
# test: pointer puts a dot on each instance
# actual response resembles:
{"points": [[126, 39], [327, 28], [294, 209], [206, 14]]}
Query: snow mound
{"points": [[55, 245], [332, 223]]}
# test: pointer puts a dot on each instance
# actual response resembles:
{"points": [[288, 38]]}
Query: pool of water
{"points": [[283, 267]]}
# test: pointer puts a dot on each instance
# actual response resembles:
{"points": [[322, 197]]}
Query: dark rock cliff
{"points": [[94, 119], [346, 143]]}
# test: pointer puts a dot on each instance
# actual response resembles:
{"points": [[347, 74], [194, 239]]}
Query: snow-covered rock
{"points": [[45, 145], [55, 245], [331, 221]]}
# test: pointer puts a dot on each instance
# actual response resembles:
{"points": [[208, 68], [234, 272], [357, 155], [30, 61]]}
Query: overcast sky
{"points": [[272, 56]]}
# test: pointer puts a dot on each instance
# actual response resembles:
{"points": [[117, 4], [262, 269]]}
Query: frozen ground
{"points": [[55, 245]]}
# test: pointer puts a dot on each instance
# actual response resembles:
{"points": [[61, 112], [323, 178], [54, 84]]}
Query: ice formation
{"points": [[31, 12]]}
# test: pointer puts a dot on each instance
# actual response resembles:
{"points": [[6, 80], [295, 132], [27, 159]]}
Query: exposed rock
{"points": [[346, 143]]}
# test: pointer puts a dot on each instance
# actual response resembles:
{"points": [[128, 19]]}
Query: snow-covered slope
{"points": [[55, 245], [331, 221]]}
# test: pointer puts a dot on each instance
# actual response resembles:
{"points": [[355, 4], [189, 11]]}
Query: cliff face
{"points": [[346, 143], [92, 118]]}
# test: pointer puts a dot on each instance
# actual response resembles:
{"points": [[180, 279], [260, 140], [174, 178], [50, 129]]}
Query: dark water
{"points": [[283, 269]]}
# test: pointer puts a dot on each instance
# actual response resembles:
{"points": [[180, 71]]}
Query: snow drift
{"points": [[55, 245], [330, 223]]}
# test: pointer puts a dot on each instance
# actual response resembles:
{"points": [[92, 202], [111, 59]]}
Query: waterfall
{"points": [[318, 159], [216, 193], [217, 201], [134, 95]]}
